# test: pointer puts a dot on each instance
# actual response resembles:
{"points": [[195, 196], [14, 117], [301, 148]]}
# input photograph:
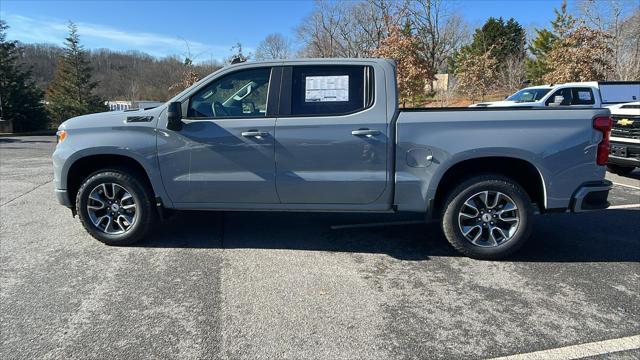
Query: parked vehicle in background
{"points": [[327, 135], [625, 138], [581, 94]]}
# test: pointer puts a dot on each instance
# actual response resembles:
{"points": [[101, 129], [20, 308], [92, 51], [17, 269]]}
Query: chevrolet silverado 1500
{"points": [[327, 135]]}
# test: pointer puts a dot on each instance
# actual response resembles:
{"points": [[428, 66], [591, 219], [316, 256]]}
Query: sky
{"points": [[210, 28]]}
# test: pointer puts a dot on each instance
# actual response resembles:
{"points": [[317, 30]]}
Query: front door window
{"points": [[240, 94]]}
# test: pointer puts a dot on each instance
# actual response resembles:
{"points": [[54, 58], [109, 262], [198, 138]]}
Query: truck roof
{"points": [[314, 61]]}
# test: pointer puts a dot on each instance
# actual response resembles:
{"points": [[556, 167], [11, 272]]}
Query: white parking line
{"points": [[625, 185], [582, 350], [628, 206]]}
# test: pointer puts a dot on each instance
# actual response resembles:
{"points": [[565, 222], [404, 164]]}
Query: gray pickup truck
{"points": [[327, 135]]}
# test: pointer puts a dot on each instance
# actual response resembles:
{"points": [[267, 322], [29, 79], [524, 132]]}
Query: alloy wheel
{"points": [[489, 219], [111, 208]]}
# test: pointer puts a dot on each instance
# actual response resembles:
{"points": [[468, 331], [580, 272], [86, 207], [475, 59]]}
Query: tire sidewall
{"points": [[137, 191], [474, 186]]}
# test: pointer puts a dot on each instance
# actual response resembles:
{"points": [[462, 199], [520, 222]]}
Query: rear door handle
{"points": [[254, 133], [365, 132]]}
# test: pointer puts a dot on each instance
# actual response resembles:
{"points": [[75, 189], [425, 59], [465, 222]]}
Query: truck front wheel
{"points": [[487, 217], [114, 207]]}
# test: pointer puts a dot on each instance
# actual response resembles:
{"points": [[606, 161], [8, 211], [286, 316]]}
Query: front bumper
{"points": [[624, 153], [63, 197], [591, 196]]}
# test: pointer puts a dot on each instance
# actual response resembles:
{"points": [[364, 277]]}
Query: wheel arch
{"points": [[83, 166], [520, 170]]}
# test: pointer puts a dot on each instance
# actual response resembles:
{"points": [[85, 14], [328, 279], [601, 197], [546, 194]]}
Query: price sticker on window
{"points": [[326, 88], [584, 95]]}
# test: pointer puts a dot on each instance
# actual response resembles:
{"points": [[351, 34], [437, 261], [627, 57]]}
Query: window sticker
{"points": [[326, 88], [584, 95]]}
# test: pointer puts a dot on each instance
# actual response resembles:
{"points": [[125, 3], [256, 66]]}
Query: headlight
{"points": [[61, 135]]}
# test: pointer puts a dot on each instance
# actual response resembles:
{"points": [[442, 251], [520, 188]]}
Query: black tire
{"points": [[142, 195], [493, 183], [620, 170]]}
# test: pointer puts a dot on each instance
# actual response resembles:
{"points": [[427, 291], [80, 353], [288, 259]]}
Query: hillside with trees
{"points": [[128, 75]]}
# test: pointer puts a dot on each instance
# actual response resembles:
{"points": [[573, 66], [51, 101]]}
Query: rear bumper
{"points": [[591, 196], [63, 197]]}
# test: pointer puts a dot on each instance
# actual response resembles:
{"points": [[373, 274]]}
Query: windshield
{"points": [[528, 95]]}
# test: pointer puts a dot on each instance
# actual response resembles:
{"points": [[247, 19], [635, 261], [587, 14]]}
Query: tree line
{"points": [[43, 84], [600, 41]]}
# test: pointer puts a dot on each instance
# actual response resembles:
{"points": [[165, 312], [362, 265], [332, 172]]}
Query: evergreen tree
{"points": [[502, 39], [562, 26], [70, 93], [564, 22], [538, 66], [20, 98]]}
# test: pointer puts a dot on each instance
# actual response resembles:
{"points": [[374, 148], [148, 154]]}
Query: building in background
{"points": [[118, 105], [444, 82], [121, 105]]}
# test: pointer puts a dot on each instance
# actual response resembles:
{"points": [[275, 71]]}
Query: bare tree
{"points": [[274, 46], [476, 74], [581, 56], [440, 30], [621, 21], [348, 29], [404, 47], [512, 76]]}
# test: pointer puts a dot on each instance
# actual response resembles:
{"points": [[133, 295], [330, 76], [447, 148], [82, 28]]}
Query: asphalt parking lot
{"points": [[244, 285]]}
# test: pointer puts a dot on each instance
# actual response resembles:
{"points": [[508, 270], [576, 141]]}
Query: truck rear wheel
{"points": [[114, 207], [487, 217]]}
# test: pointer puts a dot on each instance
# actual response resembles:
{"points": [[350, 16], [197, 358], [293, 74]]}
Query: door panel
{"points": [[331, 138], [210, 161], [224, 152], [321, 162]]}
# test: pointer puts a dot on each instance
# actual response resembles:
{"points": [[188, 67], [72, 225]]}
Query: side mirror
{"points": [[174, 116]]}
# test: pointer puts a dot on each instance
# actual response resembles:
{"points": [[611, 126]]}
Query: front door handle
{"points": [[254, 133], [365, 132]]}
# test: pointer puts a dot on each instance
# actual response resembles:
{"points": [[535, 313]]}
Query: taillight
{"points": [[603, 124]]}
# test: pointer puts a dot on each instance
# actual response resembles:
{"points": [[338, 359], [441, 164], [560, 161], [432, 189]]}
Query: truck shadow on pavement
{"points": [[604, 236]]}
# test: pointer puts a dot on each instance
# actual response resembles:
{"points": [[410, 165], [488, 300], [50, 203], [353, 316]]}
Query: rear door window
{"points": [[329, 90], [582, 96]]}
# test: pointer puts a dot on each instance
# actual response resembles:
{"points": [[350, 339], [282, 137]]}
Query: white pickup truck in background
{"points": [[580, 94], [625, 138]]}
